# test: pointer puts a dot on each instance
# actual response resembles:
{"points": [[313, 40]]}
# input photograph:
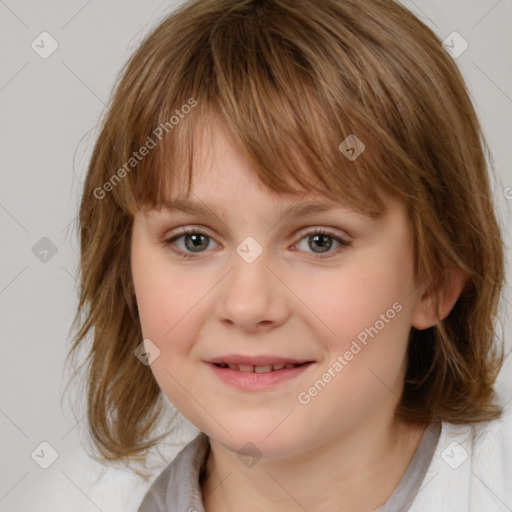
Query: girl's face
{"points": [[251, 286]]}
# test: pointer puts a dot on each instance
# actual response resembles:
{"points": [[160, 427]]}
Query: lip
{"points": [[261, 360], [252, 381]]}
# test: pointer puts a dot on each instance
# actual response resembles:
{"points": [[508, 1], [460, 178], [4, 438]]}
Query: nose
{"points": [[252, 297]]}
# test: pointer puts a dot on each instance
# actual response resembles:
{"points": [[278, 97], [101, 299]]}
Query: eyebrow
{"points": [[297, 209]]}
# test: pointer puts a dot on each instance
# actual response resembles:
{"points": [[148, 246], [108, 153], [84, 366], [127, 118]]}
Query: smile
{"points": [[247, 377], [257, 369]]}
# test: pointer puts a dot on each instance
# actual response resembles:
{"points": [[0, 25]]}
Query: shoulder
{"points": [[471, 468], [177, 486]]}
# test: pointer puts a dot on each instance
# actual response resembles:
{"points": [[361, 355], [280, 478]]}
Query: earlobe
{"points": [[424, 315]]}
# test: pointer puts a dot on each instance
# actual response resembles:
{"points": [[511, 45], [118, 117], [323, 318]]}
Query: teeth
{"points": [[257, 369], [263, 369]]}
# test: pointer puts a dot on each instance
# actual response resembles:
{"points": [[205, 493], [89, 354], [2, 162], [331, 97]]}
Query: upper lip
{"points": [[261, 360]]}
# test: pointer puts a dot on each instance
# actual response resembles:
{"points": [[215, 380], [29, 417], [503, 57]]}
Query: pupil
{"points": [[323, 241]]}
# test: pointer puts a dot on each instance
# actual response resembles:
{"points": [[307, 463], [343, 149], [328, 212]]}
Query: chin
{"points": [[259, 438]]}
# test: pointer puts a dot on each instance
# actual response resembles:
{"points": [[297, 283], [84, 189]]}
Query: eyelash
{"points": [[317, 231]]}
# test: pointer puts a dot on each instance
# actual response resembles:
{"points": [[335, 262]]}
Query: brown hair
{"points": [[291, 80]]}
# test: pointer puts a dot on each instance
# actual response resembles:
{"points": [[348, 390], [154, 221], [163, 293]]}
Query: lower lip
{"points": [[252, 381]]}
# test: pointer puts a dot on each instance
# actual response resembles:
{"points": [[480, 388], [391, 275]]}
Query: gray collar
{"points": [[177, 487]]}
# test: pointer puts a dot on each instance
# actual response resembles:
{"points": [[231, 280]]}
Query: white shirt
{"points": [[471, 470]]}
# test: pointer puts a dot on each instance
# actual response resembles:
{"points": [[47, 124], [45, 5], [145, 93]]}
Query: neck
{"points": [[355, 472]]}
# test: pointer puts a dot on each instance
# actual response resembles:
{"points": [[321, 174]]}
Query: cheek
{"points": [[363, 314], [165, 298], [347, 302], [168, 304]]}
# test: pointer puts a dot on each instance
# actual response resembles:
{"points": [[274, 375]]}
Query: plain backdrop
{"points": [[50, 112]]}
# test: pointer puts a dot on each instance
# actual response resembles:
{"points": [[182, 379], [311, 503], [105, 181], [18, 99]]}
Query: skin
{"points": [[342, 451]]}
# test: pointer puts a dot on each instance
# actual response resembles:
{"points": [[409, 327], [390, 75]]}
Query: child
{"points": [[287, 231]]}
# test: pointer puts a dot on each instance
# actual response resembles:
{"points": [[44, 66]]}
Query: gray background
{"points": [[50, 113]]}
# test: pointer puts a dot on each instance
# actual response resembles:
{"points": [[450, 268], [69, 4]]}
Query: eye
{"points": [[321, 241], [192, 241]]}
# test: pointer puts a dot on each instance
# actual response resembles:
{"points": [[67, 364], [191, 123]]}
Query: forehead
{"points": [[220, 166], [205, 161]]}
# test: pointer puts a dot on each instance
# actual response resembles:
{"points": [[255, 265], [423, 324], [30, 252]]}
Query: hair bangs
{"points": [[273, 107]]}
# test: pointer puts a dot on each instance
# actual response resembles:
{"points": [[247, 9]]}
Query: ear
{"points": [[424, 314]]}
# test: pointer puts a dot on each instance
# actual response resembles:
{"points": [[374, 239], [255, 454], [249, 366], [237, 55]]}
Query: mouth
{"points": [[259, 372], [267, 368]]}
